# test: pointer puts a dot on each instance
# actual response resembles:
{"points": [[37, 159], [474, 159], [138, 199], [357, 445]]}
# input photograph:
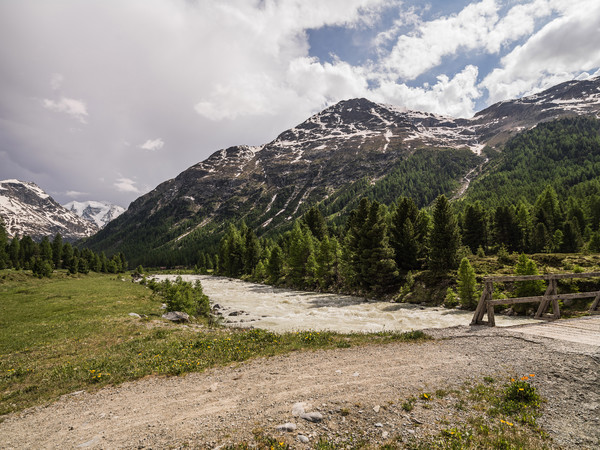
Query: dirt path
{"points": [[358, 391]]}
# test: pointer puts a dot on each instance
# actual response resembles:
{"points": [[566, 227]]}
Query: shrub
{"points": [[42, 268], [183, 296]]}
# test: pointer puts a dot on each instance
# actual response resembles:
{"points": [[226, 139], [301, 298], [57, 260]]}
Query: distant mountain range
{"points": [[99, 213], [27, 210], [354, 148]]}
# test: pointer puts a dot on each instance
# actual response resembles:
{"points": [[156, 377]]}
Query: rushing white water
{"points": [[279, 309]]}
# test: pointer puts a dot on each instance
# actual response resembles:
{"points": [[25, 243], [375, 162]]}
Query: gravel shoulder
{"points": [[224, 405]]}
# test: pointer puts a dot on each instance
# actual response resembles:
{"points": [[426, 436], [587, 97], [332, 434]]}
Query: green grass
{"points": [[497, 416], [70, 333]]}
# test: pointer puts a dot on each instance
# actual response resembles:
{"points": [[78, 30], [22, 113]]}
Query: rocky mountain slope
{"points": [[353, 148], [27, 210], [99, 213]]}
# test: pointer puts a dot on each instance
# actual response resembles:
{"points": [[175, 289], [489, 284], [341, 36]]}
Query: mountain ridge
{"points": [[29, 211], [349, 148]]}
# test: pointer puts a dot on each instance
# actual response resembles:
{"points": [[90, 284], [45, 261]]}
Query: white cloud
{"points": [[153, 144], [76, 194], [126, 185], [449, 96], [559, 51], [74, 108], [205, 74], [56, 81]]}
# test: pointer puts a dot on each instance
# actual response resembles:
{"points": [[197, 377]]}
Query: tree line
{"points": [[47, 255], [377, 247]]}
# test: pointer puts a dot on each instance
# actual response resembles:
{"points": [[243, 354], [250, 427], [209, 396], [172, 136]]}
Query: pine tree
{"points": [[445, 237], [232, 251], [274, 267], [4, 259], [301, 260], [467, 284], [315, 221], [355, 230], [57, 250], [251, 251], [405, 238], [14, 251], [474, 227], [46, 250], [378, 270]]}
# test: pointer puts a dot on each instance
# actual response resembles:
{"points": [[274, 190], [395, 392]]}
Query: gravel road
{"points": [[358, 392]]}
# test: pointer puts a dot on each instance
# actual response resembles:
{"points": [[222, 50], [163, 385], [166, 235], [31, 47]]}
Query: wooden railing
{"points": [[486, 303]]}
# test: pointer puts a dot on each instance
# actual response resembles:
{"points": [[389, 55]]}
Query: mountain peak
{"points": [[27, 210], [98, 213]]}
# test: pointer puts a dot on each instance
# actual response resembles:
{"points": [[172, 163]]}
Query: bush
{"points": [[467, 284], [183, 296], [42, 268]]}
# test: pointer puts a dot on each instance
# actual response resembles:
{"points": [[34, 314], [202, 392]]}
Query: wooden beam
{"points": [[511, 301], [595, 305], [556, 276]]}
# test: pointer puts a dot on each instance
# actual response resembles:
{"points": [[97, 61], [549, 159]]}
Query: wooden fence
{"points": [[486, 303]]}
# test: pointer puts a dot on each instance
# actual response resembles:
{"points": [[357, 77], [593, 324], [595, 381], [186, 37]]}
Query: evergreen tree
{"points": [[232, 251], [378, 270], [251, 251], [355, 231], [474, 227], [406, 235], [445, 237], [523, 219], [14, 251], [541, 241], [274, 267], [46, 249], [41, 268], [301, 259], [4, 259], [328, 260], [315, 221], [506, 228], [57, 250], [547, 210], [572, 240], [467, 284], [526, 266], [67, 255]]}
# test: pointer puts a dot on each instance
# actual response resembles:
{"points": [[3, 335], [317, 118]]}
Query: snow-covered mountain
{"points": [[27, 210], [334, 157], [99, 213]]}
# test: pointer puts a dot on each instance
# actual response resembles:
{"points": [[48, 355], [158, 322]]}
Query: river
{"points": [[278, 309]]}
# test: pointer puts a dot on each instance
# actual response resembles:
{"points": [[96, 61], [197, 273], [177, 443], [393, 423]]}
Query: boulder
{"points": [[176, 316]]}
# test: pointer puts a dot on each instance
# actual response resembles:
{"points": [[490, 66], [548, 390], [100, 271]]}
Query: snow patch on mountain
{"points": [[99, 213], [27, 210]]}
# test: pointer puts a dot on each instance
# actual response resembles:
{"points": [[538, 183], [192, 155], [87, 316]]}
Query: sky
{"points": [[104, 100]]}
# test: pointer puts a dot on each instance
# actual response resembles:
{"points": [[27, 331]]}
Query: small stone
{"points": [[212, 387], [298, 408], [289, 427], [136, 315], [355, 374], [176, 316], [379, 425], [376, 408], [385, 435], [303, 439], [312, 416]]}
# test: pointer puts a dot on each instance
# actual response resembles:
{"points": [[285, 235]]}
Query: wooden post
{"points": [[486, 295], [545, 303], [595, 305]]}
